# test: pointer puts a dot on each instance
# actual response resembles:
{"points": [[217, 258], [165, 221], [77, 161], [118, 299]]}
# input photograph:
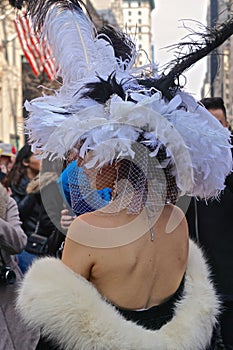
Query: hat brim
{"points": [[7, 154]]}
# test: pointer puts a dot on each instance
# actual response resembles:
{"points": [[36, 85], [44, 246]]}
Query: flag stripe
{"points": [[25, 45], [36, 52], [34, 41]]}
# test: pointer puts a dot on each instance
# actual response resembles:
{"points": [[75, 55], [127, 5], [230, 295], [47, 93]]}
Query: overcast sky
{"points": [[167, 23]]}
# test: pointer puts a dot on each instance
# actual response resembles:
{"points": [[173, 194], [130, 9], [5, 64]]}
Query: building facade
{"points": [[11, 115], [133, 17], [219, 75], [137, 22], [110, 11]]}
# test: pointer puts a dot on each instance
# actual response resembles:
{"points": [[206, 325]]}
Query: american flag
{"points": [[36, 52]]}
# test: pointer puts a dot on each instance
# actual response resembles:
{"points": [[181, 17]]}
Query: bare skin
{"points": [[33, 166], [218, 113], [137, 275]]}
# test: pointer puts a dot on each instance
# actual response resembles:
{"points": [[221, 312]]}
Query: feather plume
{"points": [[209, 41], [92, 68], [38, 10], [102, 91], [71, 36], [17, 3], [124, 47]]}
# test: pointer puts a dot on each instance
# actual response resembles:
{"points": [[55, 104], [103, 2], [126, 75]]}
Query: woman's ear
{"points": [[25, 163]]}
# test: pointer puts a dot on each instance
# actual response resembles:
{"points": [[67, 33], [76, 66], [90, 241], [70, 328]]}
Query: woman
{"points": [[14, 335], [25, 168], [139, 261], [129, 279]]}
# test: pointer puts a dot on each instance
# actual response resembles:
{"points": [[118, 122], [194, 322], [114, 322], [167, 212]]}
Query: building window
{"points": [[139, 4], [139, 13], [129, 13], [139, 21]]}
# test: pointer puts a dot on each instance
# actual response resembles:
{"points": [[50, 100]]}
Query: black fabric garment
{"points": [[215, 235], [27, 205], [229, 182], [46, 345], [226, 323], [19, 191], [35, 214], [30, 212], [2, 176], [40, 213], [211, 225], [157, 316]]}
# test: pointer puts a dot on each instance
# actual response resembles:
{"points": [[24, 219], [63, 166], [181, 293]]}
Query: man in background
{"points": [[7, 157], [211, 225]]}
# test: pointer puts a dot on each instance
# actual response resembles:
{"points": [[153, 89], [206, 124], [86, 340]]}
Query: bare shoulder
{"points": [[80, 220], [77, 255], [175, 219]]}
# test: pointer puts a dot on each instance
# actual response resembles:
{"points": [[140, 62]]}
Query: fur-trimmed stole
{"points": [[71, 312]]}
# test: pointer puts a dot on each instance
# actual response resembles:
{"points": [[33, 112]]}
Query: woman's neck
{"points": [[31, 173]]}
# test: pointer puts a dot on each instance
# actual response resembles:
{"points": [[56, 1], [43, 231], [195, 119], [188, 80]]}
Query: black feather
{"points": [[122, 44], [210, 40], [38, 9], [17, 3], [102, 91]]}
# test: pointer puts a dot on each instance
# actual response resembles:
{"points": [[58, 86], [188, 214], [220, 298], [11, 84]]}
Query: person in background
{"points": [[25, 168], [66, 219], [211, 225], [11, 163], [14, 334], [7, 158], [40, 215]]}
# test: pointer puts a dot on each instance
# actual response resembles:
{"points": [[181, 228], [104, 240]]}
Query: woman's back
{"points": [[134, 274]]}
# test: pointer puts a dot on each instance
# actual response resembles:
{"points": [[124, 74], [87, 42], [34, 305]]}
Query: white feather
{"points": [[71, 37]]}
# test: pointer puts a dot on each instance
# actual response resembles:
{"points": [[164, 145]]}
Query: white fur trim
{"points": [[68, 309]]}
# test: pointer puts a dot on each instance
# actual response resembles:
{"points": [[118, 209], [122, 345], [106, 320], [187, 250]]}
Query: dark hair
{"points": [[139, 180], [136, 176], [19, 170], [214, 103], [132, 172]]}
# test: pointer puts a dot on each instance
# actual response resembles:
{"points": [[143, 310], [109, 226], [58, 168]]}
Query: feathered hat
{"points": [[106, 106]]}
